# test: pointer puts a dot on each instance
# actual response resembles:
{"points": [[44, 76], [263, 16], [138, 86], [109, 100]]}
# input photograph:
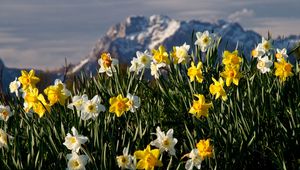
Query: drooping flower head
{"points": [[76, 162], [35, 101], [133, 102], [205, 149], [148, 158], [5, 112], [180, 53], [14, 87], [28, 80], [165, 142], [126, 161], [217, 89], [119, 105], [199, 107], [231, 74], [283, 70], [160, 55], [77, 102], [107, 64], [74, 142], [195, 72]]}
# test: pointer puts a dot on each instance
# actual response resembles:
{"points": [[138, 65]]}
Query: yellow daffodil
{"points": [[199, 107], [148, 158], [283, 70], [231, 74], [195, 72], [107, 63], [205, 149], [160, 55], [119, 105], [56, 94], [231, 58], [217, 89], [28, 79], [36, 101]]}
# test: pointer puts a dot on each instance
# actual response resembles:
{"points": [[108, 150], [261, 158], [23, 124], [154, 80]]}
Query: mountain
{"points": [[139, 33]]}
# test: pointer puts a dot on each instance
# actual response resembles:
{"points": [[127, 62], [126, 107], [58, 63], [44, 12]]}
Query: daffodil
{"points": [[28, 79], [133, 102], [231, 58], [119, 105], [199, 107], [74, 142], [155, 69], [136, 66], [144, 58], [107, 64], [258, 51], [264, 64], [126, 161], [281, 54], [180, 53], [165, 142], [194, 161], [5, 112], [231, 74], [35, 101], [14, 87], [76, 162], [148, 158], [160, 55], [283, 70], [65, 91], [204, 40], [77, 102], [217, 89], [195, 72], [205, 149], [3, 139], [266, 45], [56, 94], [91, 108]]}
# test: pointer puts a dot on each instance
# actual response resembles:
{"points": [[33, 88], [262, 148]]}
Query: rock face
{"points": [[144, 33]]}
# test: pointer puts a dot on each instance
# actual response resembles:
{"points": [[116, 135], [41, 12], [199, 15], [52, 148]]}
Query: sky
{"points": [[40, 34]]}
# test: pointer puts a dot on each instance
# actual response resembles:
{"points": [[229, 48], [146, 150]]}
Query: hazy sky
{"points": [[41, 33]]}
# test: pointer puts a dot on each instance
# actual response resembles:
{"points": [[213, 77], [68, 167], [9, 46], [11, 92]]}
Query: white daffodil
{"points": [[264, 64], [195, 160], [155, 69], [181, 52], [136, 66], [5, 112], [204, 40], [14, 87], [76, 162], [165, 142], [281, 54], [74, 142], [107, 64], [266, 45], [65, 91], [134, 102], [258, 51], [144, 58], [126, 161], [77, 101], [91, 108], [3, 139]]}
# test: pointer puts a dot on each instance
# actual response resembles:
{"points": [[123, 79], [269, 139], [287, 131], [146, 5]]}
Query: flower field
{"points": [[186, 108]]}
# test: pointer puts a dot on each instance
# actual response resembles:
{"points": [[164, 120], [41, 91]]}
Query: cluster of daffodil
{"points": [[264, 53], [73, 143], [149, 158], [35, 101]]}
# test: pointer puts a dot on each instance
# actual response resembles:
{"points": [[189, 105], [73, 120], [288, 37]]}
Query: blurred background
{"points": [[40, 34]]}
